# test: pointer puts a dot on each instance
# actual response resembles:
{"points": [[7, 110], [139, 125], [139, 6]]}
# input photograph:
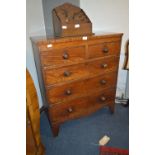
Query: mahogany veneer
{"points": [[77, 75]]}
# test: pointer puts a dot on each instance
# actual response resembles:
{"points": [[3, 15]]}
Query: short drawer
{"points": [[82, 106], [58, 75], [64, 56], [104, 65], [69, 91], [104, 49]]}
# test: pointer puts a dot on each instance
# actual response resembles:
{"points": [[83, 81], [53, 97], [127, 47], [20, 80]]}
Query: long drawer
{"points": [[81, 106], [83, 70], [61, 93]]}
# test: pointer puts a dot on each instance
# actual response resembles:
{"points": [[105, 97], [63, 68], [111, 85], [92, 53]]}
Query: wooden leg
{"points": [[55, 129], [112, 108], [41, 149]]}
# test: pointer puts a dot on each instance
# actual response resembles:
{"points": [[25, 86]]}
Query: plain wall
{"points": [[110, 16], [34, 26], [48, 6]]}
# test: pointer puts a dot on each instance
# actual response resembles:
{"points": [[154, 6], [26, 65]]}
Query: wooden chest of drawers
{"points": [[77, 75]]}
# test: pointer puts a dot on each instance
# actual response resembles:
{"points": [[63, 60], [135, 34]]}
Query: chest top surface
{"points": [[41, 40]]}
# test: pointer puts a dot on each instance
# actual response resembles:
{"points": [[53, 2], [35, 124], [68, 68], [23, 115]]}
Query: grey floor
{"points": [[81, 136]]}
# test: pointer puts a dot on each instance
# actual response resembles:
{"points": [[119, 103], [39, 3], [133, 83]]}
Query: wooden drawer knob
{"points": [[102, 98], [70, 110], [28, 122], [103, 82], [105, 50], [65, 55], [104, 65], [67, 73], [68, 92]]}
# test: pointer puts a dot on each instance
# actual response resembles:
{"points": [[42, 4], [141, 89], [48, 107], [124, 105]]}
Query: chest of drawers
{"points": [[77, 75]]}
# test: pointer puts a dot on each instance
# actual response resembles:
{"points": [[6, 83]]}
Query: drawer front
{"points": [[65, 92], [60, 57], [52, 76], [82, 106], [61, 93], [104, 65], [104, 49], [101, 82]]}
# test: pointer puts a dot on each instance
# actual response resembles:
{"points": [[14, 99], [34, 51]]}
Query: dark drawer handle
{"points": [[103, 82], [104, 65], [70, 110], [68, 92], [28, 122], [105, 50], [65, 55], [102, 98], [67, 73]]}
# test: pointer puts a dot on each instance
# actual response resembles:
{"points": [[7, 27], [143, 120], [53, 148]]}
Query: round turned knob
{"points": [[105, 50], [65, 55], [67, 73], [102, 98], [68, 92], [103, 82], [104, 65], [70, 110], [28, 122]]}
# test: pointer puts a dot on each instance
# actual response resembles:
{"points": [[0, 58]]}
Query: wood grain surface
{"points": [[80, 76]]}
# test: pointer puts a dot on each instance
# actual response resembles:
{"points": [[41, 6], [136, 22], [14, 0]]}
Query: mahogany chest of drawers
{"points": [[77, 75]]}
